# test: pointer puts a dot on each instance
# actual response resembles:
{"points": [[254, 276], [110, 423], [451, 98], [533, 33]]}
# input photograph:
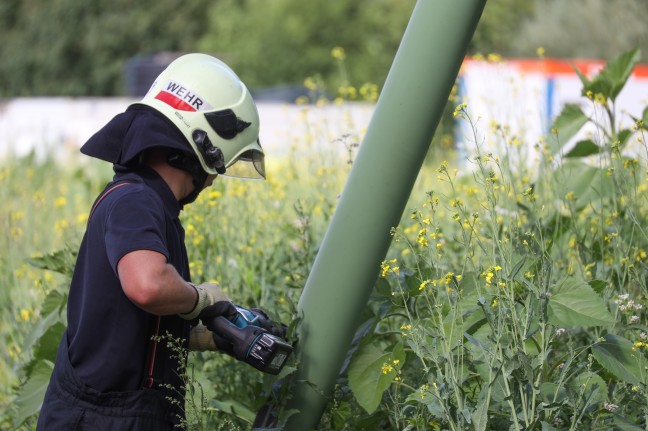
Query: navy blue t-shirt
{"points": [[112, 343]]}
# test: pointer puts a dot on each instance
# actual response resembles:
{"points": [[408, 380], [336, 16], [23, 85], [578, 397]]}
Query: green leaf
{"points": [[60, 261], [644, 118], [235, 408], [39, 329], [30, 397], [614, 76], [622, 424], [47, 345], [617, 356], [480, 415], [583, 149], [53, 302], [52, 314], [547, 427], [598, 285], [576, 305], [341, 415], [587, 183], [624, 136], [591, 386], [570, 120], [516, 269], [552, 394], [584, 80], [366, 377]]}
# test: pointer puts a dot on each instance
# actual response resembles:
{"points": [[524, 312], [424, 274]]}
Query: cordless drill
{"points": [[250, 333]]}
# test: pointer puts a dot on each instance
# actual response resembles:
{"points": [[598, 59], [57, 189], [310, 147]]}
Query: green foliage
{"points": [[582, 28], [72, 48], [575, 305], [611, 80], [284, 41], [512, 315], [499, 26], [618, 356], [371, 373], [43, 341]]}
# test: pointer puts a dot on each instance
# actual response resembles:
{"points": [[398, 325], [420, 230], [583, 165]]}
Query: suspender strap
{"points": [[104, 194]]}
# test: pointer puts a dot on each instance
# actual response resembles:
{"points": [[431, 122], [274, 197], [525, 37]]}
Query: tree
{"points": [[74, 48], [285, 41], [584, 28]]}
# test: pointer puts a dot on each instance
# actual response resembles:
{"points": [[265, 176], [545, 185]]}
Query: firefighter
{"points": [[131, 291]]}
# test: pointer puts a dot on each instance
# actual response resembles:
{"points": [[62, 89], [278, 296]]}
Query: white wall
{"points": [[61, 125], [525, 96]]}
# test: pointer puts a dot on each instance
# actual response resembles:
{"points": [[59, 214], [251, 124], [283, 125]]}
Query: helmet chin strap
{"points": [[187, 163]]}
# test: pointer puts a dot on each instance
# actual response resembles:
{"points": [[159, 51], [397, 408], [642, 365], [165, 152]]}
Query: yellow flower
{"points": [[17, 215], [387, 368], [25, 314], [60, 202], [423, 389], [16, 232], [310, 84], [488, 276], [494, 58], [338, 53], [81, 218]]}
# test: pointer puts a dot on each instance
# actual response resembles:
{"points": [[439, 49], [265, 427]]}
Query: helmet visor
{"points": [[249, 164]]}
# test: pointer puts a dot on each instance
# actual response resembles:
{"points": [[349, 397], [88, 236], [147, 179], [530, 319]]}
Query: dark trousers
{"points": [[71, 405]]}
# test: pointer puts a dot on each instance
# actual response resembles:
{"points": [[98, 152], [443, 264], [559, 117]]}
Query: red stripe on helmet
{"points": [[174, 101]]}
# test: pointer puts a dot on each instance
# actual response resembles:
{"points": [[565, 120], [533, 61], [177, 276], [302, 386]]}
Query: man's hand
{"points": [[202, 339], [211, 302], [262, 320]]}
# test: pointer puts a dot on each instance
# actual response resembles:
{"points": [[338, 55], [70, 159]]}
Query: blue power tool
{"points": [[255, 340]]}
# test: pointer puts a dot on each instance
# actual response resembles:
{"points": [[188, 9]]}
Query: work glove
{"points": [[202, 339], [262, 320], [211, 302]]}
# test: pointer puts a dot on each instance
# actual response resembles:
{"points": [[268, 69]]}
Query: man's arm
{"points": [[154, 285]]}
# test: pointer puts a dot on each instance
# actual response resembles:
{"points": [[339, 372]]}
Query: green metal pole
{"points": [[375, 195]]}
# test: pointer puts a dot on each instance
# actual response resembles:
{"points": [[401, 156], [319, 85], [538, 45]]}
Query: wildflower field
{"points": [[513, 296]]}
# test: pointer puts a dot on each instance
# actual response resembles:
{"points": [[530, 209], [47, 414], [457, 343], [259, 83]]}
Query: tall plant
{"points": [[517, 303]]}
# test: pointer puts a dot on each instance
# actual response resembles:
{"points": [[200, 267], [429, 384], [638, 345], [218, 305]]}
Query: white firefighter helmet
{"points": [[214, 111]]}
